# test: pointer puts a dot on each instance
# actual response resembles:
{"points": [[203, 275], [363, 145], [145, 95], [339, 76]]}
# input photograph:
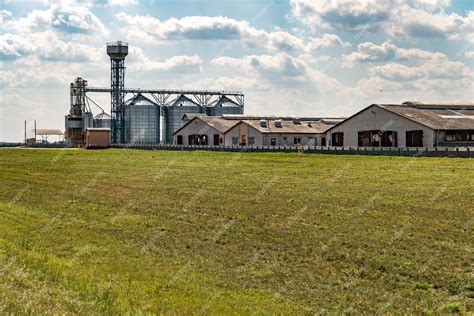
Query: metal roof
{"points": [[140, 99], [217, 123], [102, 116], [419, 104], [190, 116], [281, 117], [183, 100], [98, 129], [289, 127], [48, 131], [438, 118], [224, 101]]}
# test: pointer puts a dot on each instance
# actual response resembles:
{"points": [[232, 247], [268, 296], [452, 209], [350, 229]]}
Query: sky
{"points": [[293, 57]]}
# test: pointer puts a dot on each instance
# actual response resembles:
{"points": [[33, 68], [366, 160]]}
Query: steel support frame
{"points": [[162, 96], [117, 95]]}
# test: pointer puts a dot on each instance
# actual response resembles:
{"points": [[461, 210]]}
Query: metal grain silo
{"points": [[102, 120], [224, 105], [142, 121], [173, 115]]}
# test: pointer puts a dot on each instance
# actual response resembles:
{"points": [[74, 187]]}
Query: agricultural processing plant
{"points": [[259, 157]]}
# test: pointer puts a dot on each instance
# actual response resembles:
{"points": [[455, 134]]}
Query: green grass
{"points": [[126, 231]]}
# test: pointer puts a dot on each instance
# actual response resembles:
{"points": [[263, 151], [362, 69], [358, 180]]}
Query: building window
{"points": [[297, 140], [243, 140], [251, 141], [337, 139], [459, 136], [273, 141], [235, 140], [197, 139], [179, 139], [377, 139], [414, 138]]}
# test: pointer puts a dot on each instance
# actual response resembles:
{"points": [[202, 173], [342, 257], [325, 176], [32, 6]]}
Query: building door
{"points": [[364, 139], [216, 139], [323, 141], [337, 139], [414, 138], [389, 139], [179, 139]]}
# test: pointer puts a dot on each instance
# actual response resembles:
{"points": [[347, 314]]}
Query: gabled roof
{"points": [[47, 131], [437, 116], [102, 116], [289, 127], [281, 117], [139, 99], [218, 123], [224, 101], [190, 116], [183, 100]]}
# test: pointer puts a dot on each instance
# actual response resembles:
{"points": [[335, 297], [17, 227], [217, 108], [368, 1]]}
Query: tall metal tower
{"points": [[117, 52]]}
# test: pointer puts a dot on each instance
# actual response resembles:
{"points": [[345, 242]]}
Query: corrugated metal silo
{"points": [[224, 106], [173, 115], [102, 120], [142, 121]]}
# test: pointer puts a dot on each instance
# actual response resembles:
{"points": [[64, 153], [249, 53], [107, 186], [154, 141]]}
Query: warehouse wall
{"points": [[375, 118]]}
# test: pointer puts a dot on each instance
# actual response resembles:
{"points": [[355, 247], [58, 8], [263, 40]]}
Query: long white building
{"points": [[218, 131], [411, 124]]}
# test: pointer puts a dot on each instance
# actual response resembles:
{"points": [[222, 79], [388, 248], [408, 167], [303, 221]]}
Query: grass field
{"points": [[127, 231]]}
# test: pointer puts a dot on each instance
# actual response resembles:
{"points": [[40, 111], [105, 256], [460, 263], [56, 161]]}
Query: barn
{"points": [[410, 124], [218, 131]]}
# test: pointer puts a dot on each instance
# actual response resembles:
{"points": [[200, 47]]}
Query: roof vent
{"points": [[296, 120], [263, 123], [278, 123], [310, 124]]}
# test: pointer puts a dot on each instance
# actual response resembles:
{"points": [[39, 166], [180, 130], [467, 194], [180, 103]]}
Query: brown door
{"points": [[337, 139], [216, 139], [414, 138]]}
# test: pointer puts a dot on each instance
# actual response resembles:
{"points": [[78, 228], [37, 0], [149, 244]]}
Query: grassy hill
{"points": [[125, 231]]}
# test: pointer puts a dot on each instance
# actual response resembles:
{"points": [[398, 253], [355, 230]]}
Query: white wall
{"points": [[265, 139], [375, 118], [198, 127]]}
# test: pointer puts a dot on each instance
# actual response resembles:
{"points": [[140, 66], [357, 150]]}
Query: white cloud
{"points": [[190, 28], [66, 19], [353, 15], [181, 64], [91, 3], [370, 52], [47, 46], [417, 19], [374, 85], [445, 69], [203, 28], [283, 71], [327, 40], [469, 54], [229, 83]]}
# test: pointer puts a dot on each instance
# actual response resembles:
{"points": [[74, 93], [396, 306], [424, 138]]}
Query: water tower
{"points": [[117, 52]]}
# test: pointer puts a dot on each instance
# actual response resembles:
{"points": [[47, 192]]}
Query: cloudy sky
{"points": [[300, 57]]}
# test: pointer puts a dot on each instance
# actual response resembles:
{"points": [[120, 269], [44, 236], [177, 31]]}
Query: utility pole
{"points": [[25, 132], [35, 130]]}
